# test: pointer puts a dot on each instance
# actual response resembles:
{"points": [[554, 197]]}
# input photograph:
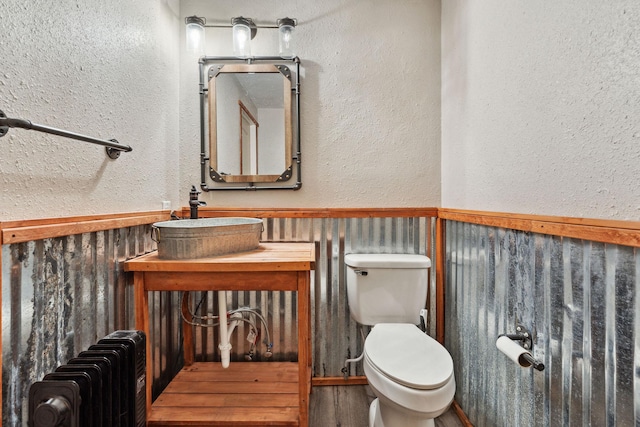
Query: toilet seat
{"points": [[408, 356]]}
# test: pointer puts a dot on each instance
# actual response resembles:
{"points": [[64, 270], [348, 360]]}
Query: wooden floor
{"points": [[245, 394], [348, 406], [204, 394]]}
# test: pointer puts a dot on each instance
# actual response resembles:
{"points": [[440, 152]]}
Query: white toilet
{"points": [[410, 373]]}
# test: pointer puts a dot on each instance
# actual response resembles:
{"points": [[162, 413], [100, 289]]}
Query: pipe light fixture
{"points": [[286, 27], [195, 34], [243, 31]]}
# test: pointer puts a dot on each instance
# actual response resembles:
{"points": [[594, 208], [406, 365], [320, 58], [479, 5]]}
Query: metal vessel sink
{"points": [[205, 237]]}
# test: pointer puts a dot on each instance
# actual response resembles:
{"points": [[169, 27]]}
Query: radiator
{"points": [[104, 386]]}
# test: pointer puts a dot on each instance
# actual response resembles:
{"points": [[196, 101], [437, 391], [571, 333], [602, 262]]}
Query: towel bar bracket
{"points": [[113, 153], [3, 129]]}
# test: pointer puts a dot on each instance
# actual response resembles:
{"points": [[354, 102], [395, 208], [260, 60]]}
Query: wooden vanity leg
{"points": [[187, 335], [304, 341], [141, 303]]}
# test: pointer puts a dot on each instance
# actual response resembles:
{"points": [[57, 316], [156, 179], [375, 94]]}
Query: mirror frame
{"points": [[217, 70]]}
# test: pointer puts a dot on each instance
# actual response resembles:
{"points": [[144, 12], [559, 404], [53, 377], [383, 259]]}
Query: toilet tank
{"points": [[386, 288]]}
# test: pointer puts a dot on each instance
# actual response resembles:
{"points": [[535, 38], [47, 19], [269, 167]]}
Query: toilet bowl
{"points": [[411, 375]]}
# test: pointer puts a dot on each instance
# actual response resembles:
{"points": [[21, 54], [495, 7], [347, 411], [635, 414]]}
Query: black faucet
{"points": [[194, 202]]}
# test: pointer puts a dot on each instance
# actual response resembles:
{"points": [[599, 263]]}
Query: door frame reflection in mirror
{"points": [[291, 146], [251, 145]]}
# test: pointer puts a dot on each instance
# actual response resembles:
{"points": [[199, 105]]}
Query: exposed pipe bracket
{"points": [[4, 128], [522, 334]]}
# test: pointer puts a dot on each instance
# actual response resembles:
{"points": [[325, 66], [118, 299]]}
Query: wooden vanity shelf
{"points": [[246, 393]]}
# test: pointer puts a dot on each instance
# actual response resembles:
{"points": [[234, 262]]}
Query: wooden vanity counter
{"points": [[247, 393]]}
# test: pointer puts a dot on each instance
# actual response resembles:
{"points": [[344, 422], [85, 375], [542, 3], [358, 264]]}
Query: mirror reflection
{"points": [[250, 132]]}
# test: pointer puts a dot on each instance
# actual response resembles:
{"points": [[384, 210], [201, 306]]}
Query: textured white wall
{"points": [[541, 107], [117, 69], [107, 69], [370, 100]]}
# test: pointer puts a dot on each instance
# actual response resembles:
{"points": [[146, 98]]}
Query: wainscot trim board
{"points": [[209, 212], [332, 381], [461, 415], [38, 229], [440, 260], [598, 230], [1, 329]]}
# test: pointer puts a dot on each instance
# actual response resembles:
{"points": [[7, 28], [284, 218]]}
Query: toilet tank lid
{"points": [[387, 261]]}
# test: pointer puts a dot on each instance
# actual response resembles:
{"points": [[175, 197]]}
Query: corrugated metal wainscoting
{"points": [[335, 335], [59, 296], [580, 300]]}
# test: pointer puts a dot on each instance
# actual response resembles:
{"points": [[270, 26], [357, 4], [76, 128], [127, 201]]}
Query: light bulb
{"points": [[241, 37], [286, 27], [195, 35]]}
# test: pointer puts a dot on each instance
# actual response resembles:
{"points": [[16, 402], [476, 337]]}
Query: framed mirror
{"points": [[250, 123]]}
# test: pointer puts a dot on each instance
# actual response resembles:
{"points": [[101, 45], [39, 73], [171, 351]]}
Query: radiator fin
{"points": [[104, 386]]}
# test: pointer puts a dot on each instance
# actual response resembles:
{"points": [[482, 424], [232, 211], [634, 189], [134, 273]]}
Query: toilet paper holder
{"points": [[524, 335]]}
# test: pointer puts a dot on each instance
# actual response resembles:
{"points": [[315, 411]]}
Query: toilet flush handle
{"points": [[361, 272]]}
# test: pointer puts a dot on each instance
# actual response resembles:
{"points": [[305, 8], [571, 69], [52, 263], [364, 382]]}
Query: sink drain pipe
{"points": [[226, 329]]}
